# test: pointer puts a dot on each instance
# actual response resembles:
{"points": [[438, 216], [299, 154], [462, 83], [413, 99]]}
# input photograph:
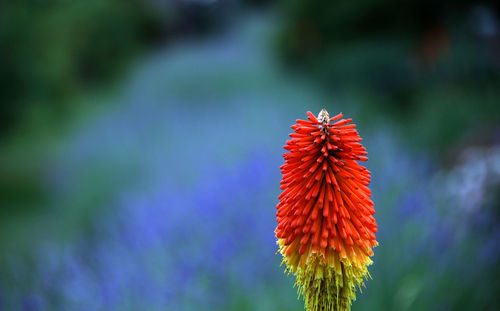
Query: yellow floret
{"points": [[327, 284]]}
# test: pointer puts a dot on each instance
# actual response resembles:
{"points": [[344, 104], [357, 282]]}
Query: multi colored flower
{"points": [[326, 229]]}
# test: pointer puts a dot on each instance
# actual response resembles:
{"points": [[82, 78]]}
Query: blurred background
{"points": [[140, 145]]}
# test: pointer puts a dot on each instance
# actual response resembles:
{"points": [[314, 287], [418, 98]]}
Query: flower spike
{"points": [[326, 229]]}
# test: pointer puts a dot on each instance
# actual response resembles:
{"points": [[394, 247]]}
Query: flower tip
{"points": [[340, 115], [323, 116], [311, 117]]}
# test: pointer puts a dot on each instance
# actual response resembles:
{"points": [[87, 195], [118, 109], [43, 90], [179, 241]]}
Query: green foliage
{"points": [[411, 61], [51, 49]]}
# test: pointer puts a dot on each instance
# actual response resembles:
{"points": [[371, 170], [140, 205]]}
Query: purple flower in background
{"points": [[183, 248]]}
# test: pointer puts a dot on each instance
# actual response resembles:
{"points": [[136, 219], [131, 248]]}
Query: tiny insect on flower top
{"points": [[326, 230]]}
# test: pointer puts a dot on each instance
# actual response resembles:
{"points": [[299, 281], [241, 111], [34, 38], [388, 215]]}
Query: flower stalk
{"points": [[326, 229]]}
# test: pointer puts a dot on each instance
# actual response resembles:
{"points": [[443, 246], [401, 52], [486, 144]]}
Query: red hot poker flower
{"points": [[326, 230]]}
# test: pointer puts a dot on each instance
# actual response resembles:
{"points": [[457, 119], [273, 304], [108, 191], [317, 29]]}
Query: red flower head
{"points": [[325, 225]]}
